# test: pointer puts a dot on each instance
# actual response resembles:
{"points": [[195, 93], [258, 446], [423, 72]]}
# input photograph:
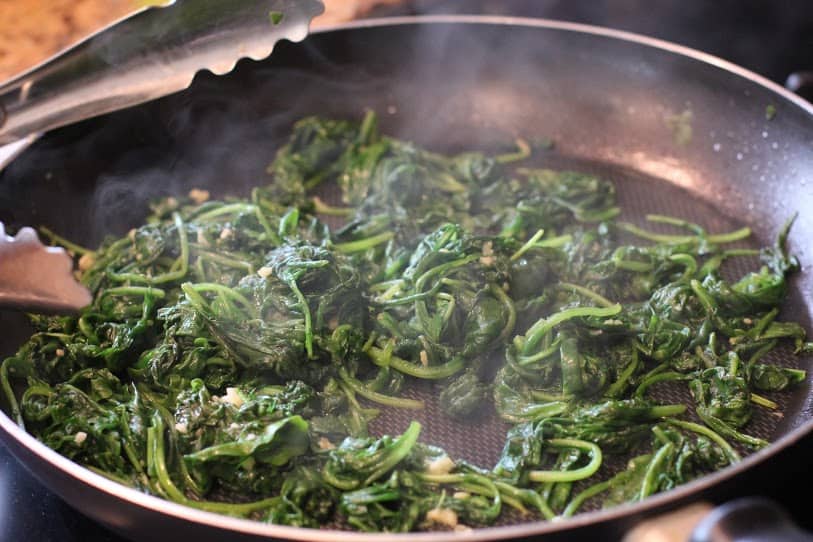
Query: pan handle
{"points": [[752, 519], [801, 83], [749, 519]]}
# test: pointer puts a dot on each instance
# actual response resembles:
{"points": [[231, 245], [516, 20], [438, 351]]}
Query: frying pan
{"points": [[679, 131]]}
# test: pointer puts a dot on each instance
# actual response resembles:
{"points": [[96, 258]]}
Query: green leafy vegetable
{"points": [[236, 351]]}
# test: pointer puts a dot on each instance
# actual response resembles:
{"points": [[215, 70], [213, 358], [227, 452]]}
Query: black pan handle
{"points": [[801, 83], [750, 519]]}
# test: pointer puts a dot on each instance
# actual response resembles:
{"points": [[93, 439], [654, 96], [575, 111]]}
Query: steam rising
{"points": [[601, 100]]}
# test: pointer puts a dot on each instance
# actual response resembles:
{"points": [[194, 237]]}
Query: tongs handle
{"points": [[153, 53]]}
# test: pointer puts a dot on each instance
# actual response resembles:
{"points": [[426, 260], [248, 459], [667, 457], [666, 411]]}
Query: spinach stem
{"points": [[376, 397], [586, 292], [528, 244], [543, 326], [361, 245], [523, 151], [428, 372], [593, 452], [323, 208], [181, 264], [59, 240]]}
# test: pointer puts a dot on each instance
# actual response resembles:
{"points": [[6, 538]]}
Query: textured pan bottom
{"points": [[481, 440]]}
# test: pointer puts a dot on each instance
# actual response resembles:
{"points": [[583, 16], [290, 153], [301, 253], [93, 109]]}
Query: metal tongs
{"points": [[153, 53]]}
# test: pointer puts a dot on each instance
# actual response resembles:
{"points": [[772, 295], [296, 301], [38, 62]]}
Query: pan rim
{"points": [[580, 28], [10, 430]]}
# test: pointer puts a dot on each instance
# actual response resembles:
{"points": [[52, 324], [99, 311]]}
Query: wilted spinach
{"points": [[236, 350]]}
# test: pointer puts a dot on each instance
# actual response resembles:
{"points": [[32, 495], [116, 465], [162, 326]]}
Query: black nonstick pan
{"points": [[680, 132]]}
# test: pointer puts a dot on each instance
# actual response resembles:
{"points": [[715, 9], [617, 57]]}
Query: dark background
{"points": [[772, 38]]}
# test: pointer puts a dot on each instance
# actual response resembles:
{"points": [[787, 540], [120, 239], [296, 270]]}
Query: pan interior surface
{"points": [[480, 441], [677, 136]]}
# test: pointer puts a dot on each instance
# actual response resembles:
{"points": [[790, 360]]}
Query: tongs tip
{"points": [[38, 277]]}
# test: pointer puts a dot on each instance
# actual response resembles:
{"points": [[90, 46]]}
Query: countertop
{"points": [[33, 30]]}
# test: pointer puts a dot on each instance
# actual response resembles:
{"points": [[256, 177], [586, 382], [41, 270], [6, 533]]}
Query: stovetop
{"points": [[770, 38]]}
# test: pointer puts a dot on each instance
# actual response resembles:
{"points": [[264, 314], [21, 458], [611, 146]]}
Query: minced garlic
{"points": [[441, 465], [424, 358], [443, 516], [233, 396], [201, 237], [86, 261], [199, 196]]}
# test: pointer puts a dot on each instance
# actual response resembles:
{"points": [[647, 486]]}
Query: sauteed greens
{"points": [[236, 351]]}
